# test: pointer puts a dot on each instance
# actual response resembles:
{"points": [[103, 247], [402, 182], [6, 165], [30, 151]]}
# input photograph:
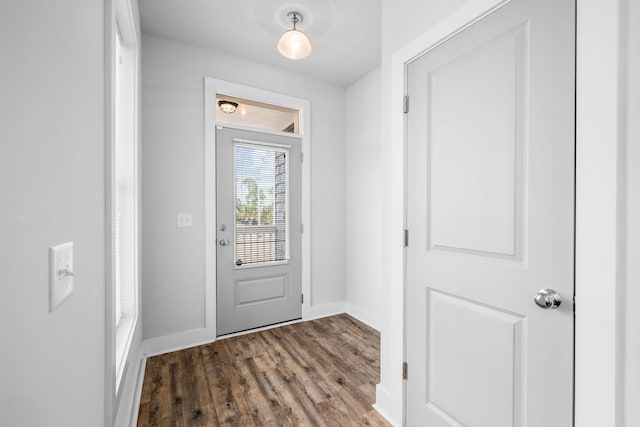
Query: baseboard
{"points": [[178, 341], [365, 316], [318, 311], [383, 402]]}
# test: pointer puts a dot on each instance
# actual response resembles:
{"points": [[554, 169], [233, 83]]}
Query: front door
{"points": [[490, 212], [258, 214]]}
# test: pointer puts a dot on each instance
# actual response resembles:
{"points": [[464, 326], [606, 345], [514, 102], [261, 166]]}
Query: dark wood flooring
{"points": [[317, 373]]}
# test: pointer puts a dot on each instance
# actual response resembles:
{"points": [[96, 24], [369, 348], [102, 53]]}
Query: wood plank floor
{"points": [[317, 373]]}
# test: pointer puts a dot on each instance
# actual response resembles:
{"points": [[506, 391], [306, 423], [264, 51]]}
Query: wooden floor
{"points": [[317, 373]]}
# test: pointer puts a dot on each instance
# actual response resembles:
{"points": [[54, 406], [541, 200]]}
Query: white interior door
{"points": [[490, 211], [258, 214]]}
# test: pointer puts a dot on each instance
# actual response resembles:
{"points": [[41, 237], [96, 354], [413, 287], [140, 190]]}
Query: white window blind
{"points": [[124, 213], [261, 204]]}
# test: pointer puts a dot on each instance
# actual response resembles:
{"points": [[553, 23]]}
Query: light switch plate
{"points": [[60, 274], [183, 220]]}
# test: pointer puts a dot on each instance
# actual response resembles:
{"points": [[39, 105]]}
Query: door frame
{"points": [[599, 347], [211, 88]]}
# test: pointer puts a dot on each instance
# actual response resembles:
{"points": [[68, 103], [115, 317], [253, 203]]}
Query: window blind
{"points": [[261, 204]]}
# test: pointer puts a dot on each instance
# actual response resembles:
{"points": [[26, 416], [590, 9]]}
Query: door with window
{"points": [[258, 214], [490, 211]]}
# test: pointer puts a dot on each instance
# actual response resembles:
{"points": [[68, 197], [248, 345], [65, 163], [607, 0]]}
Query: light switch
{"points": [[60, 274], [183, 220]]}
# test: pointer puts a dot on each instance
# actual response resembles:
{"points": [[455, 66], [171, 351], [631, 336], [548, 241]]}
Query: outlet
{"points": [[183, 220], [60, 274]]}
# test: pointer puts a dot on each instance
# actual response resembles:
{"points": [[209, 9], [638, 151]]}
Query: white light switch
{"points": [[60, 274], [183, 220]]}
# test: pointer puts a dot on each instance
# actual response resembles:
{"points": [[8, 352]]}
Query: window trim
{"points": [[119, 340]]}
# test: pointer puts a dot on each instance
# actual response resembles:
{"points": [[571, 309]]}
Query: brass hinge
{"points": [[405, 371], [405, 105]]}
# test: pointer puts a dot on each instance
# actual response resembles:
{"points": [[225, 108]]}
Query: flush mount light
{"points": [[227, 106], [294, 44]]}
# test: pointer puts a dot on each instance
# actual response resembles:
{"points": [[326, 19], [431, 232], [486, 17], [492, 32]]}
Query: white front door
{"points": [[490, 212], [258, 192]]}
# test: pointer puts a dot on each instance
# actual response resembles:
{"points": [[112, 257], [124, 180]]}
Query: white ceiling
{"points": [[344, 34]]}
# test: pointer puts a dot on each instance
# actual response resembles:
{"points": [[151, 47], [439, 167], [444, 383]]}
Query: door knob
{"points": [[223, 242], [548, 299]]}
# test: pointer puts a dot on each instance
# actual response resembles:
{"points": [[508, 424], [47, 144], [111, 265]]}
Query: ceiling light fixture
{"points": [[294, 44], [227, 106]]}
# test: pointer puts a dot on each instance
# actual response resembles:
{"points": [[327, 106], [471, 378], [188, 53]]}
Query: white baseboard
{"points": [[383, 401], [318, 311], [364, 315], [178, 341]]}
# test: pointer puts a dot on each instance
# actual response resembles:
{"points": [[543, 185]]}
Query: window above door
{"points": [[248, 113]]}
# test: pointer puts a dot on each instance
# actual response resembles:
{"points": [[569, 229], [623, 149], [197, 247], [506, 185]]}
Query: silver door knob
{"points": [[548, 299], [223, 242]]}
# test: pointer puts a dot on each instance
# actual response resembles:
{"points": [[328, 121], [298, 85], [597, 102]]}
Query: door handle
{"points": [[223, 242], [548, 299]]}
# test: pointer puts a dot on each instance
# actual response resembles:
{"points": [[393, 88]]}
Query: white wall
{"points": [[52, 191], [173, 287], [364, 118]]}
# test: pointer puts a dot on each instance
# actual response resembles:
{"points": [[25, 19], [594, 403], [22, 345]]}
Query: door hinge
{"points": [[301, 298], [406, 238], [301, 157], [302, 228], [405, 371], [405, 104]]}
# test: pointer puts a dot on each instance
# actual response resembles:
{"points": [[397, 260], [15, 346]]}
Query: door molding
{"points": [[211, 87], [598, 285]]}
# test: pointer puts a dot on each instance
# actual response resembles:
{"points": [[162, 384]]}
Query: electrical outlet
{"points": [[183, 220], [60, 274]]}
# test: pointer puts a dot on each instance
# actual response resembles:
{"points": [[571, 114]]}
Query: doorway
{"points": [[260, 288]]}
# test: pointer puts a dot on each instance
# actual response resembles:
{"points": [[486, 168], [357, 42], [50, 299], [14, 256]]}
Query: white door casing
{"points": [[490, 192]]}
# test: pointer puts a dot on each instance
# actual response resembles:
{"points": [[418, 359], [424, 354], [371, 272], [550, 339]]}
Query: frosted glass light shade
{"points": [[294, 45], [227, 106]]}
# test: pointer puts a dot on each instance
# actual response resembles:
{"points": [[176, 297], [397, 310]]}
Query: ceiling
{"points": [[345, 34]]}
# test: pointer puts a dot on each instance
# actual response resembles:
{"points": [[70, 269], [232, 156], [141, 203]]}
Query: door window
{"points": [[261, 204]]}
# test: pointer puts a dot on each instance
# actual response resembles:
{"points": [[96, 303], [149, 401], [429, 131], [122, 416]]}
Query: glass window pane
{"points": [[261, 204]]}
